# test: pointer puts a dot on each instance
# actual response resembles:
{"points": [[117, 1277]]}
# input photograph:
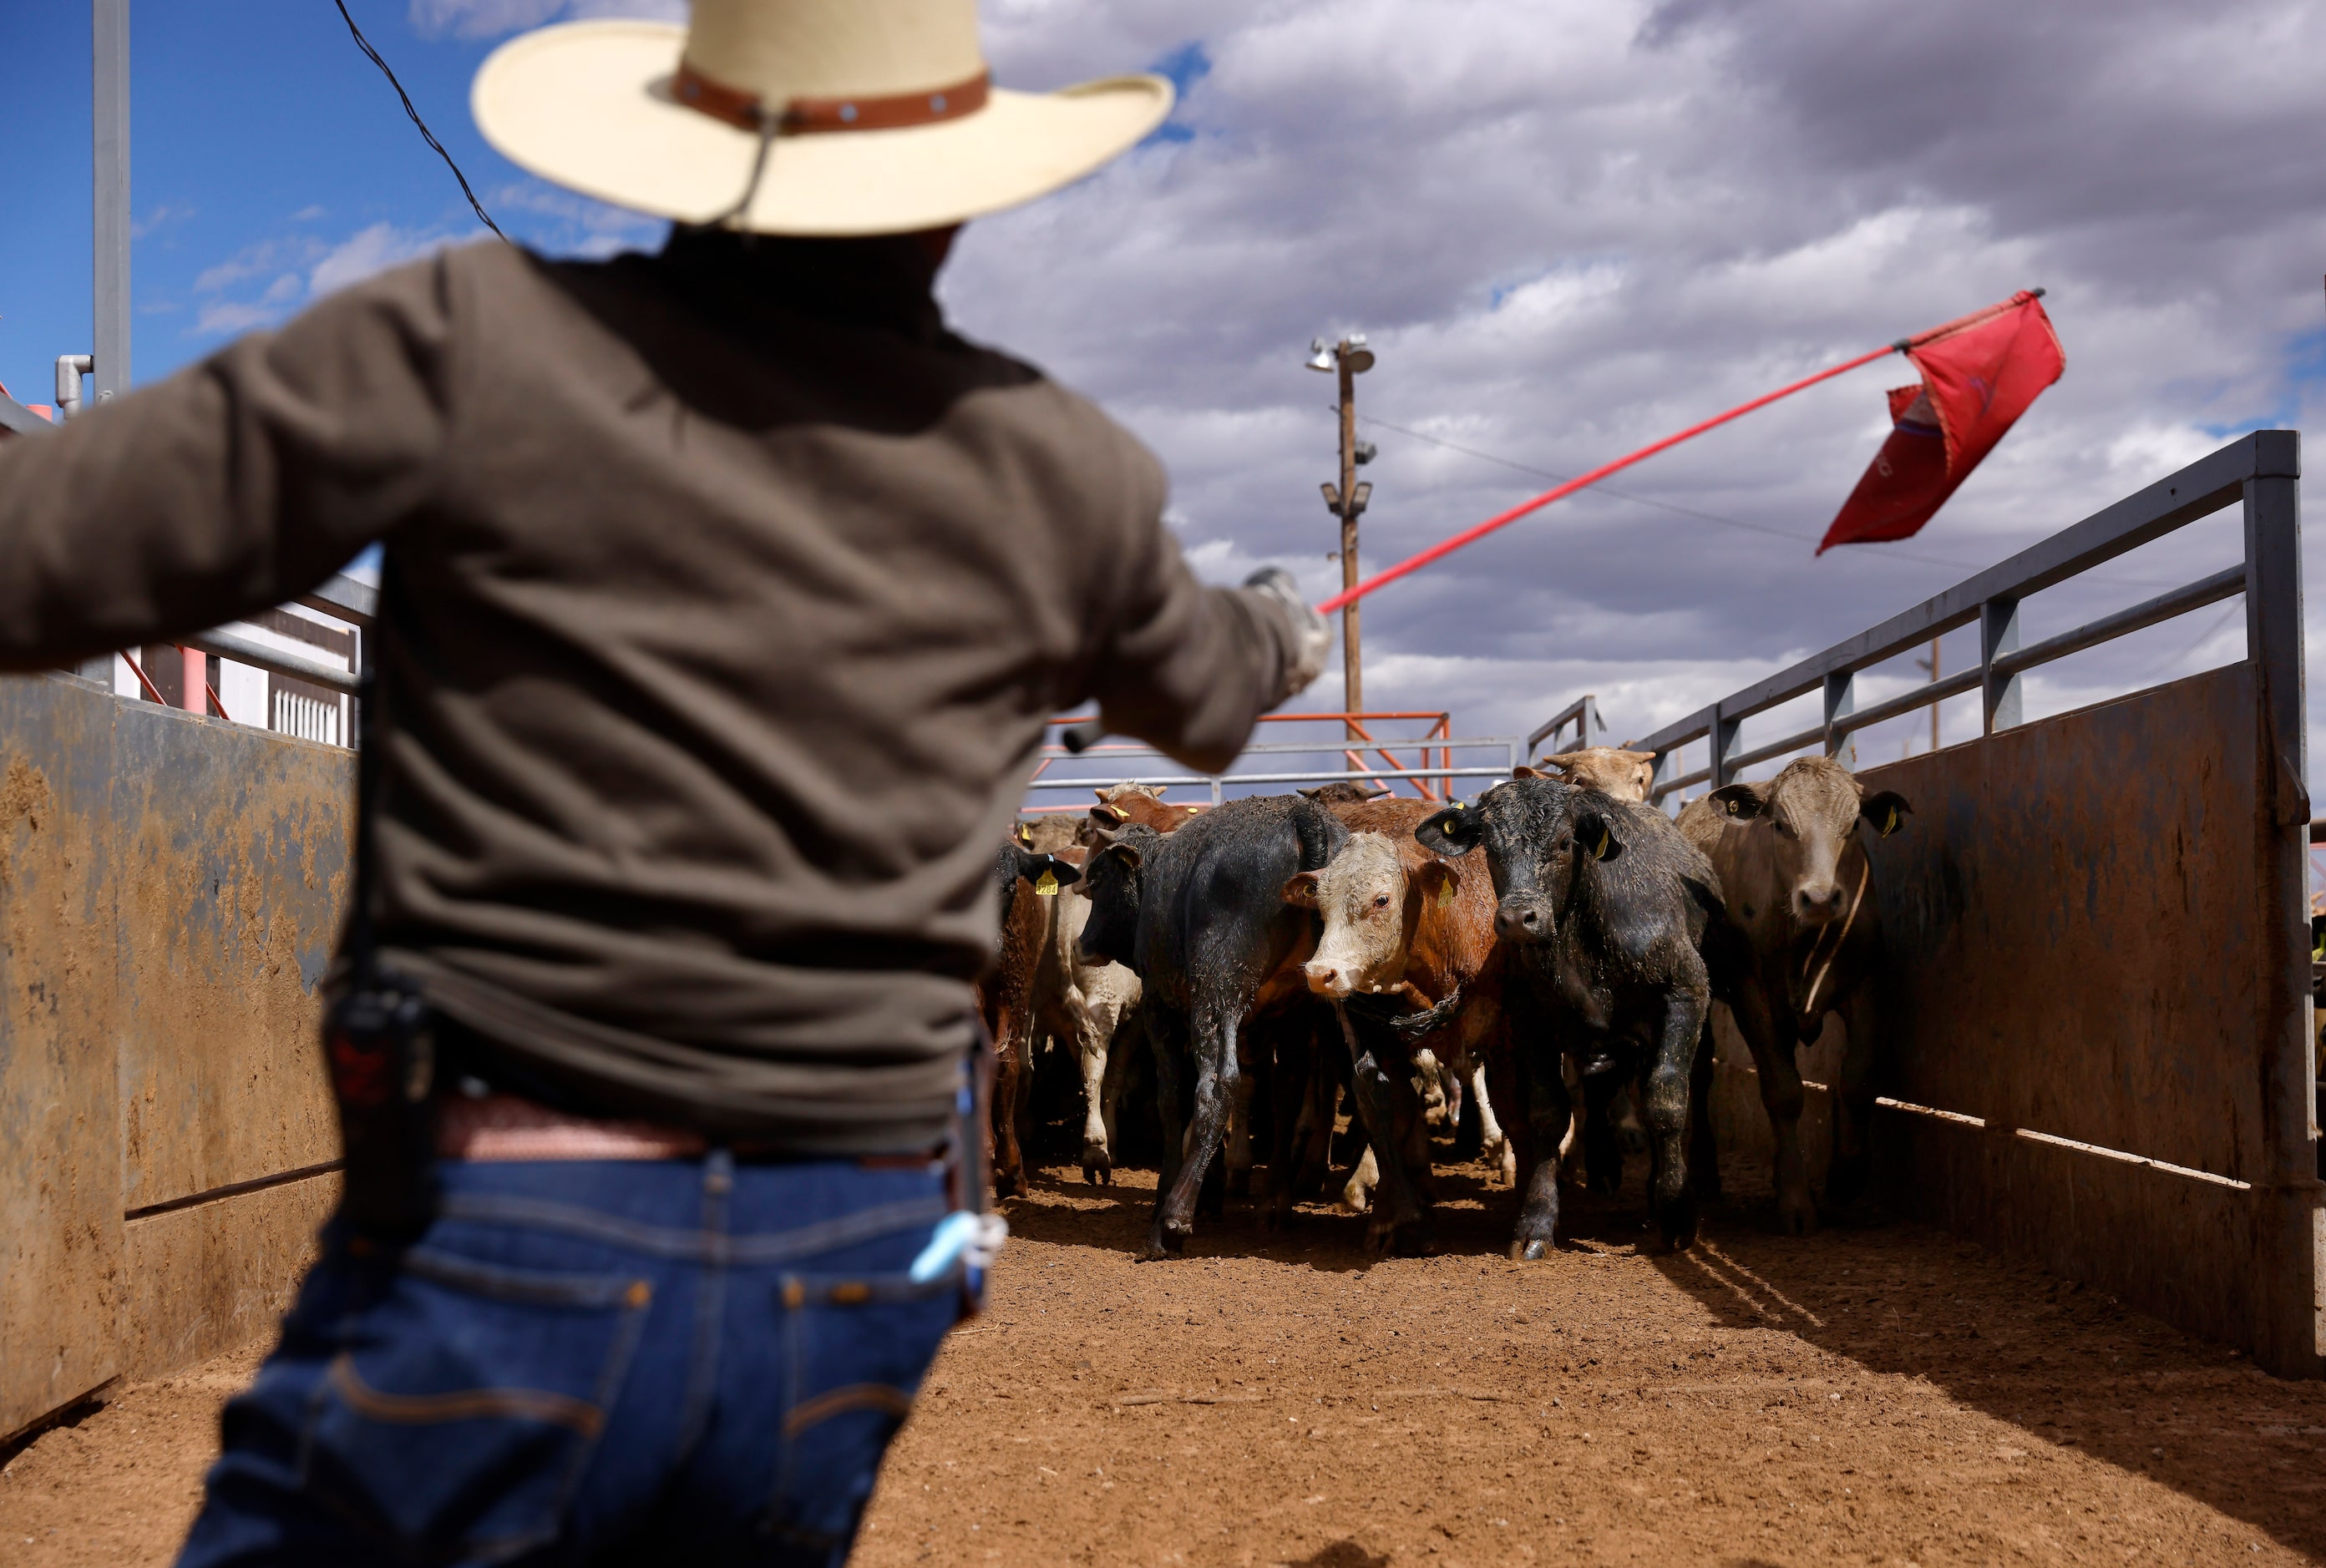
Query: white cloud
{"points": [[1574, 226], [367, 253]]}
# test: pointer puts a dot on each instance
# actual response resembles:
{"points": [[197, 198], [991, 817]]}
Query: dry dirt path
{"points": [[1882, 1393]]}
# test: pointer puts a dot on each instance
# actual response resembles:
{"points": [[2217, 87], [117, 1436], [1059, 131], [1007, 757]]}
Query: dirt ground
{"points": [[1880, 1393]]}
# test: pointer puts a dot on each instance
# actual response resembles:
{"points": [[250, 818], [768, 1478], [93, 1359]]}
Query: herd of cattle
{"points": [[1550, 950]]}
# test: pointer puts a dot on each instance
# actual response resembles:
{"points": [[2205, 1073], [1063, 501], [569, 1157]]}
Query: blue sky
{"points": [[267, 155]]}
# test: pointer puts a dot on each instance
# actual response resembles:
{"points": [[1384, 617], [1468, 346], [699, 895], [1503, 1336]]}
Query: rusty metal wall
{"points": [[170, 890], [2081, 944]]}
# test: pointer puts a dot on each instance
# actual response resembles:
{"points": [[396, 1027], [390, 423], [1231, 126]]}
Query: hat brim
{"points": [[586, 105]]}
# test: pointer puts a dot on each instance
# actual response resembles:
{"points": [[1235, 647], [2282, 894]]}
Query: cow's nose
{"points": [[1518, 921], [1326, 981], [1817, 901]]}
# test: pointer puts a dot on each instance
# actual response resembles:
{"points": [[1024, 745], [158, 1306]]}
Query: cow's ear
{"points": [[1523, 771], [1886, 810], [1124, 855], [1741, 801], [1065, 870], [1440, 882], [1562, 762], [1452, 832], [1301, 890], [1311, 793], [1024, 833], [1595, 835]]}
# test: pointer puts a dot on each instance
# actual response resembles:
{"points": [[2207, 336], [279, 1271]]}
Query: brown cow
{"points": [[1342, 792], [1400, 921], [1123, 805], [1620, 774], [1799, 883], [1026, 883]]}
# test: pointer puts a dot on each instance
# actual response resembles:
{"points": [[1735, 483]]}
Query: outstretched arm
{"points": [[235, 484]]}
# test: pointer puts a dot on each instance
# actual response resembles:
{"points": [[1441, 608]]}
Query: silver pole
{"points": [[109, 115]]}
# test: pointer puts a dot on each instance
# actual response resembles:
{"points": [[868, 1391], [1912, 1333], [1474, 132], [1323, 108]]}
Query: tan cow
{"points": [[1799, 883], [1082, 1001], [1623, 776], [1123, 804]]}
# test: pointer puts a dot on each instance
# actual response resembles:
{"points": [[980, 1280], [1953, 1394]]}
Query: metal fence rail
{"points": [[1992, 600], [1432, 777]]}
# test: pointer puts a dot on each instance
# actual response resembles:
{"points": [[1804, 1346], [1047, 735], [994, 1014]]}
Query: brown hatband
{"points": [[808, 116]]}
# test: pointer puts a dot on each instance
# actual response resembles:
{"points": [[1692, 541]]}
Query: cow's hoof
{"points": [[1678, 1226], [1798, 1218], [1414, 1240], [1007, 1185], [1524, 1251]]}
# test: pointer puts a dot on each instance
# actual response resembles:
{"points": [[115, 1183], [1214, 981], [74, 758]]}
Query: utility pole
{"points": [[109, 115], [1346, 501]]}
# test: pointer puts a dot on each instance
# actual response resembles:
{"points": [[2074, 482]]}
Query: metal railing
{"points": [[1432, 777], [1991, 601], [1590, 729]]}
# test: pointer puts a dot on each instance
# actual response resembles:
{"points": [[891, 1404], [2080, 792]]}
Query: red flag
{"points": [[1978, 376]]}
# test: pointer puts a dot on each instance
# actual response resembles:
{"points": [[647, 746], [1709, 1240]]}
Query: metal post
{"points": [[2291, 1345], [1998, 633], [1353, 680], [1840, 699], [1722, 738], [110, 114]]}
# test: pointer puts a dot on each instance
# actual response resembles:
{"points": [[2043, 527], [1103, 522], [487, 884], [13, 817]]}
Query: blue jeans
{"points": [[686, 1361]]}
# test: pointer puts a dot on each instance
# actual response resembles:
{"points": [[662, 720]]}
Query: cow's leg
{"points": [[1167, 1036], [1358, 1191], [1124, 1042], [1549, 1115], [1398, 1223], [1770, 1034], [1853, 1101], [1091, 1048], [1703, 1148], [1213, 1045], [1291, 1104], [1602, 1146], [1238, 1156], [1013, 1070], [1494, 1144], [1663, 1092], [1322, 1100]]}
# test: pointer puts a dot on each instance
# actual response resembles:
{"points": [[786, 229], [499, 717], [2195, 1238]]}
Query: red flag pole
{"points": [[1445, 547]]}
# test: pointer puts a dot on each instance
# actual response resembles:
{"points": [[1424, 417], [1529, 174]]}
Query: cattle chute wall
{"points": [[2097, 1046]]}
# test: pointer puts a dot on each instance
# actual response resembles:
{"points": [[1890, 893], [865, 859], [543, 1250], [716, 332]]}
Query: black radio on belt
{"points": [[380, 1040]]}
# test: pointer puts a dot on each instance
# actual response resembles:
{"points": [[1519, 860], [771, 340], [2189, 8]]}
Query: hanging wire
{"points": [[426, 135]]}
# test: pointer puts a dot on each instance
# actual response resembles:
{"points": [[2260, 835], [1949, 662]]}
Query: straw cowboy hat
{"points": [[798, 116]]}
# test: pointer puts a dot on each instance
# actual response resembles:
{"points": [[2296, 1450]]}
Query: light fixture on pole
{"points": [[1346, 500]]}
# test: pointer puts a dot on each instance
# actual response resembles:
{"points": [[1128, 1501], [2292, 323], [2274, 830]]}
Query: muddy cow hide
{"points": [[1199, 916], [1026, 883], [1604, 906], [1795, 860]]}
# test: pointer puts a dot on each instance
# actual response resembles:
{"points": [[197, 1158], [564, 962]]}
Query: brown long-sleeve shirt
{"points": [[724, 595]]}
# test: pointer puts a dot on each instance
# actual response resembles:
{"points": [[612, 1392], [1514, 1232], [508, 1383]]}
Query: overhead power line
{"points": [[429, 136]]}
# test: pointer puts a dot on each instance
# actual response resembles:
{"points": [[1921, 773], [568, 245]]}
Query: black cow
{"points": [[1605, 907], [1199, 916]]}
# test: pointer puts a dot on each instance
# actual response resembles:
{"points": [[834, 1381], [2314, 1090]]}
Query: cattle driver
{"points": [[724, 595]]}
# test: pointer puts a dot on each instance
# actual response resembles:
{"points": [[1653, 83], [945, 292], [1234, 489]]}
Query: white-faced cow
{"points": [[1604, 906], [1799, 886]]}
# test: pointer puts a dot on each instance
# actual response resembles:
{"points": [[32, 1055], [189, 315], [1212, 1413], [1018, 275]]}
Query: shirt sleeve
{"points": [[1185, 667], [236, 484]]}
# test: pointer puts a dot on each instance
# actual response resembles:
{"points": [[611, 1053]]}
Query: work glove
{"points": [[1312, 635]]}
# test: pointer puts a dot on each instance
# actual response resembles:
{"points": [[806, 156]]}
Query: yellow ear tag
{"points": [[1599, 849], [1048, 884], [1889, 821], [1445, 893]]}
